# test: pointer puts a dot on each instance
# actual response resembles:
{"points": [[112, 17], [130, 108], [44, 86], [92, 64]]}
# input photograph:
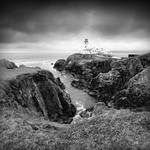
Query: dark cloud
{"points": [[123, 24], [23, 20]]}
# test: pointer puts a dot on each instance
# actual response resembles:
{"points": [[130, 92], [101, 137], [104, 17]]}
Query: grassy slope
{"points": [[26, 131], [113, 129]]}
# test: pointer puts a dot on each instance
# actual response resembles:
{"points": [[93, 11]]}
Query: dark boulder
{"points": [[79, 83], [58, 81], [87, 74], [97, 66], [78, 57], [132, 55], [75, 67], [85, 67], [137, 91], [102, 77], [127, 67], [145, 59], [106, 84], [88, 61], [60, 64]]}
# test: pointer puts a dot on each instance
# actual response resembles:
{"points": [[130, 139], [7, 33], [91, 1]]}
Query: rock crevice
{"points": [[38, 92]]}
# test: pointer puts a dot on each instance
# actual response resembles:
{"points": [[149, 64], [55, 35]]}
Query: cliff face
{"points": [[84, 67], [107, 78], [107, 84], [145, 59], [40, 93], [136, 92], [26, 93]]}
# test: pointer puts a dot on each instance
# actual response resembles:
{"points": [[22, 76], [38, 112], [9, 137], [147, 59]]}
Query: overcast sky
{"points": [[62, 26]]}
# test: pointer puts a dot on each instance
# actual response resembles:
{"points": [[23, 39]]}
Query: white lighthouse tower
{"points": [[86, 49], [86, 42]]}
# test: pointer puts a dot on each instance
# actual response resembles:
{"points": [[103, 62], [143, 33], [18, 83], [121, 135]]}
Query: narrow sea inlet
{"points": [[79, 98]]}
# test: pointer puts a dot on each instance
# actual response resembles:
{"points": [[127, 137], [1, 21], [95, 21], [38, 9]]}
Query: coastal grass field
{"points": [[110, 130]]}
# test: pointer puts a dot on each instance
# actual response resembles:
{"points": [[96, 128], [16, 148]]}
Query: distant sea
{"points": [[33, 59]]}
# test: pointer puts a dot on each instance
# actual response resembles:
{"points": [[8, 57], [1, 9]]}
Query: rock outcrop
{"points": [[82, 63], [136, 92], [107, 78], [145, 59], [60, 64], [107, 84], [84, 67], [38, 92], [7, 64]]}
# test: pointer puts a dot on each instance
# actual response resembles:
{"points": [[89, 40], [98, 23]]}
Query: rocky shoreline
{"points": [[122, 83], [38, 91], [37, 113]]}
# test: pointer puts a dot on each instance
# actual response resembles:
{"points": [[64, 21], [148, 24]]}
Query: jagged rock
{"points": [[132, 55], [106, 84], [7, 64], [145, 59], [78, 63], [104, 77], [75, 83], [76, 68], [79, 83], [97, 66], [136, 92], [58, 81], [60, 64], [85, 67], [127, 67], [87, 74], [78, 56], [39, 92]]}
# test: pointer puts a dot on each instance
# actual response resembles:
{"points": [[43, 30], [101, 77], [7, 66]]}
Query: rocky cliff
{"points": [[38, 92], [145, 59], [136, 92], [104, 77], [30, 95]]}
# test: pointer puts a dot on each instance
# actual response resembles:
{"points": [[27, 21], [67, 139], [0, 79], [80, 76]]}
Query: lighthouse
{"points": [[86, 42]]}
